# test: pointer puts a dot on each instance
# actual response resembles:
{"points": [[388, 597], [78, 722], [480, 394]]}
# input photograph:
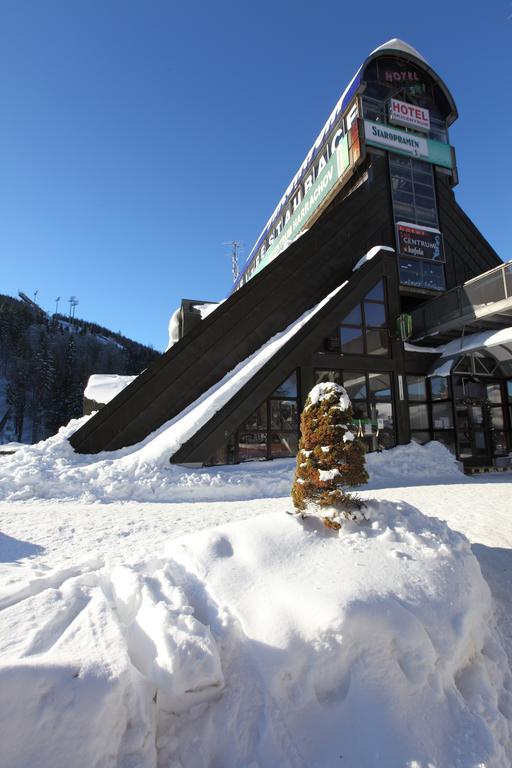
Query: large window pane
{"points": [[377, 342], [416, 388], [252, 445], [377, 292], [442, 417], [382, 423], [494, 393], [283, 414], [351, 341], [283, 444], [410, 271], [374, 314], [353, 317], [322, 375], [288, 388], [258, 419], [360, 411], [380, 386], [418, 416], [439, 387], [355, 384], [497, 418]]}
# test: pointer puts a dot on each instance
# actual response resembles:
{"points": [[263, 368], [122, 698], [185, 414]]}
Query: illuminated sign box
{"points": [[420, 242], [408, 115]]}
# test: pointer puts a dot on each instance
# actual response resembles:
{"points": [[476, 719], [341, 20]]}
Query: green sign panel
{"points": [[410, 144], [318, 192]]}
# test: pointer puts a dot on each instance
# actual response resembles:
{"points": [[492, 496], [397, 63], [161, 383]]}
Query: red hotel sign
{"points": [[409, 115]]}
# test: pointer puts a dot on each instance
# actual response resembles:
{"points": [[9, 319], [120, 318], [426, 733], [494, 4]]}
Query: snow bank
{"points": [[268, 642], [52, 470]]}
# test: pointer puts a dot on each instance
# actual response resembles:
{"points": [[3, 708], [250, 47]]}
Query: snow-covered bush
{"points": [[330, 459]]}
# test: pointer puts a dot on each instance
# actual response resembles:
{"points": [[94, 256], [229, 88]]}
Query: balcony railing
{"points": [[474, 299]]}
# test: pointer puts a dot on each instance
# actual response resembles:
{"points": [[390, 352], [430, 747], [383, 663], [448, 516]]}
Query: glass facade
{"points": [[371, 396], [272, 430], [364, 330], [414, 202], [470, 415]]}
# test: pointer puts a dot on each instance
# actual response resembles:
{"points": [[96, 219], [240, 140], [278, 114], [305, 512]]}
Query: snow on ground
{"points": [[138, 634]]}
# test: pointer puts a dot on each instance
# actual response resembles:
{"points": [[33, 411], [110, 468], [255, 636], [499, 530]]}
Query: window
{"points": [[414, 202], [372, 407], [430, 410], [272, 430], [412, 191], [363, 331]]}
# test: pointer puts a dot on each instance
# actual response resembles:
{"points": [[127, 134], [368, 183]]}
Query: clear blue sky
{"points": [[137, 137]]}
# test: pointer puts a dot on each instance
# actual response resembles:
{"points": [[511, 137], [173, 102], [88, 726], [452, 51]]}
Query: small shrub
{"points": [[330, 458]]}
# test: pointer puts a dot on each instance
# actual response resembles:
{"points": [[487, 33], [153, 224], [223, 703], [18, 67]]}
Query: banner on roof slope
{"points": [[386, 137], [310, 204]]}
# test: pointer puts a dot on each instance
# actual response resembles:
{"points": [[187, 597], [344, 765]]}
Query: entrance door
{"points": [[473, 432]]}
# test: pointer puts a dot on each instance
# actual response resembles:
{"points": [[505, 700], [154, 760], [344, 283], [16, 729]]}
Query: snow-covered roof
{"points": [[395, 44], [499, 343], [477, 341], [369, 256], [103, 387]]}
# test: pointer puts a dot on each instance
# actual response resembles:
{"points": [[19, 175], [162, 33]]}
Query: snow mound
{"points": [[52, 470], [430, 462], [268, 642]]}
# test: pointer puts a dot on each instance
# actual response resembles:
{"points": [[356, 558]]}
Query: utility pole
{"points": [[73, 302], [236, 247], [57, 304]]}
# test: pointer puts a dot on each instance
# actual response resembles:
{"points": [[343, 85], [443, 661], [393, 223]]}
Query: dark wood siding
{"points": [[309, 269], [468, 253]]}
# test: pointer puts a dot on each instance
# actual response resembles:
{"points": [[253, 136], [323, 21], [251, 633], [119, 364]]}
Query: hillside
{"points": [[45, 362]]}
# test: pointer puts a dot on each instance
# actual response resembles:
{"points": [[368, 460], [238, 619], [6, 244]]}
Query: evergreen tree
{"points": [[43, 380], [330, 458]]}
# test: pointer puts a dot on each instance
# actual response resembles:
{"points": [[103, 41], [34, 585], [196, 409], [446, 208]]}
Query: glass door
{"points": [[480, 419], [473, 434]]}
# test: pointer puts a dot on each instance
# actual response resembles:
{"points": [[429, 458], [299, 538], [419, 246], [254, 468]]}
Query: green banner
{"points": [[325, 182], [410, 144]]}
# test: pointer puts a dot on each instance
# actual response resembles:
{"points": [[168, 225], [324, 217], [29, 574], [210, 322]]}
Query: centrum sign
{"points": [[409, 115], [435, 152], [318, 193]]}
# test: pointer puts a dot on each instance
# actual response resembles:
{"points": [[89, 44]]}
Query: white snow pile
{"points": [[268, 642], [103, 387], [52, 470]]}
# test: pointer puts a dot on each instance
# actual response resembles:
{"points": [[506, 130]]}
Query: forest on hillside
{"points": [[45, 362]]}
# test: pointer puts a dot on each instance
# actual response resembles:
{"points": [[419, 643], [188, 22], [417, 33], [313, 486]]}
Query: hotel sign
{"points": [[386, 137], [409, 115], [419, 242]]}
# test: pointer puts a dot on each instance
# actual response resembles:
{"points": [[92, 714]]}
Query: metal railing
{"points": [[466, 301]]}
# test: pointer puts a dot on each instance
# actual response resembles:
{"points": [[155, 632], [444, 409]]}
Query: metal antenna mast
{"points": [[236, 247]]}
